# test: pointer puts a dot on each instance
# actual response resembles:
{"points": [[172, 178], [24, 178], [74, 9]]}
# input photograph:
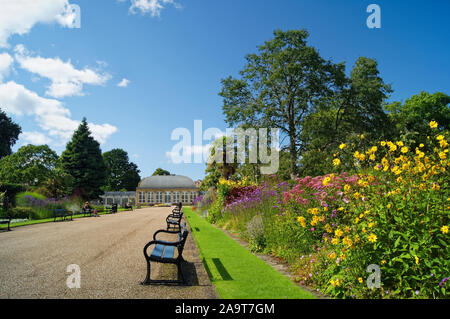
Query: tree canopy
{"points": [[30, 165], [9, 133], [83, 160], [161, 172], [121, 173]]}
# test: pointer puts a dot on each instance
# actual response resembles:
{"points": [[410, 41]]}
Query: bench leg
{"points": [[147, 280], [180, 272]]}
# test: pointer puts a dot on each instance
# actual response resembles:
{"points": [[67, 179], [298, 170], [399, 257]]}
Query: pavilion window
{"points": [[159, 197], [151, 200], [176, 197], [185, 198], [141, 197], [167, 198]]}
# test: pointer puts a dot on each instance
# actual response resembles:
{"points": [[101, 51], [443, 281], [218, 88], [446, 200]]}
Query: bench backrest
{"points": [[59, 211]]}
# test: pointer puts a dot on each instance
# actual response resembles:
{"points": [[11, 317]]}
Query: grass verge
{"points": [[237, 273]]}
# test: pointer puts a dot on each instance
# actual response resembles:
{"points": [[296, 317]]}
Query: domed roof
{"points": [[166, 182]]}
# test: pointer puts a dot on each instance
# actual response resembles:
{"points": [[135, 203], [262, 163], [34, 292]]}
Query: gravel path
{"points": [[108, 249]]}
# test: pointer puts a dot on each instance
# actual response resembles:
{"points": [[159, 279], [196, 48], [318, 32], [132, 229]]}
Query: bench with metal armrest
{"points": [[166, 252]]}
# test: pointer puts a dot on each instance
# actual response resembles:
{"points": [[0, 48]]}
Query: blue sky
{"points": [[175, 57]]}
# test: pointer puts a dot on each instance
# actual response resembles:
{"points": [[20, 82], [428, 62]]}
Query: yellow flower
{"points": [[362, 136], [383, 262], [335, 241], [404, 150], [346, 187], [440, 137], [338, 233], [360, 280], [333, 255], [356, 154], [444, 229], [400, 143], [326, 181], [372, 238], [356, 220], [417, 260], [421, 145], [336, 162], [383, 143], [342, 146], [433, 124]]}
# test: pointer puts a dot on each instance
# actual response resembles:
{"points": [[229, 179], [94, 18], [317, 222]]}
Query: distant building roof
{"points": [[167, 182], [118, 194]]}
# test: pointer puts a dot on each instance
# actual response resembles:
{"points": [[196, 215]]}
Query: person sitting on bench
{"points": [[87, 206]]}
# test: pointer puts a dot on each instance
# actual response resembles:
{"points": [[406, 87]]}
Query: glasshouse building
{"points": [[169, 189]]}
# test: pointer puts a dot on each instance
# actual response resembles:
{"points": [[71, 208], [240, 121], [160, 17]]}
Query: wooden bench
{"points": [[173, 221], [62, 213], [88, 211], [6, 220], [168, 253]]}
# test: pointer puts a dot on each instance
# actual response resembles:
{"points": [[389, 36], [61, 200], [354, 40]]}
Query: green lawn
{"points": [[237, 273]]}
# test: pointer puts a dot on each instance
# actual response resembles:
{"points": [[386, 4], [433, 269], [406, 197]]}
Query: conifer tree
{"points": [[83, 160]]}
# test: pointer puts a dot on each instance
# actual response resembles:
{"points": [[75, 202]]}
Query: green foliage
{"points": [[58, 185], [161, 172], [412, 118], [9, 192], [83, 160], [9, 133], [30, 165], [279, 87], [22, 213], [121, 173]]}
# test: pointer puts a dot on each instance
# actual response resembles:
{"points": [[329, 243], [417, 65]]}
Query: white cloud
{"points": [[19, 16], [36, 138], [65, 79], [51, 115], [124, 83], [152, 7], [5, 64]]}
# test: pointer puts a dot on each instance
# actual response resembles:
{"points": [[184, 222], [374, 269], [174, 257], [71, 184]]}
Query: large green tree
{"points": [[279, 87], [160, 172], [412, 118], [30, 165], [9, 133], [121, 173], [83, 160], [353, 110]]}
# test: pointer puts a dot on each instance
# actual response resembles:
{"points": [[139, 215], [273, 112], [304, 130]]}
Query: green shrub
{"points": [[21, 213]]}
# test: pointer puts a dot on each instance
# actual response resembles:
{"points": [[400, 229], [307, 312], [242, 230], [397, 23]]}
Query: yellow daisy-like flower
{"points": [[404, 150], [372, 238], [433, 124], [335, 241], [336, 162], [444, 229], [421, 145], [383, 262], [338, 233], [342, 146], [360, 280], [383, 143], [333, 255], [440, 137]]}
